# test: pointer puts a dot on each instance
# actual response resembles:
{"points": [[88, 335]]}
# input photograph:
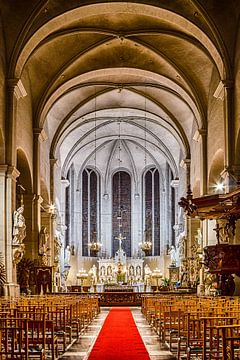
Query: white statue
{"points": [[57, 246], [181, 239], [172, 253], [147, 270], [67, 255], [43, 241], [94, 273], [19, 226]]}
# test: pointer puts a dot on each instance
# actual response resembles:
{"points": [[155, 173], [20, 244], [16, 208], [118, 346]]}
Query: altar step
{"points": [[81, 349]]}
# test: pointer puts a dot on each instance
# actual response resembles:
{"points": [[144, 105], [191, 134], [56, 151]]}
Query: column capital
{"points": [[40, 134], [16, 86], [54, 162], [3, 170], [185, 163], [12, 172], [199, 133], [37, 198], [65, 183], [175, 183]]}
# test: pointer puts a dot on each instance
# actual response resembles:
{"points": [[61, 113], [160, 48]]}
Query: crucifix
{"points": [[120, 238]]}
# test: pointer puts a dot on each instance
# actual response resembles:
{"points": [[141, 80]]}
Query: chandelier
{"points": [[146, 244], [94, 244]]}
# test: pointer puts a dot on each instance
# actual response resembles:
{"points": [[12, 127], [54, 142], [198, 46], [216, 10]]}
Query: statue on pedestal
{"points": [[43, 246], [172, 253], [19, 226], [57, 246], [67, 255]]}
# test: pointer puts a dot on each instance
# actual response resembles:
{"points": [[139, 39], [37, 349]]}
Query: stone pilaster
{"points": [[64, 184], [175, 184], [53, 165], [10, 192], [38, 137], [15, 91], [3, 171], [228, 132]]}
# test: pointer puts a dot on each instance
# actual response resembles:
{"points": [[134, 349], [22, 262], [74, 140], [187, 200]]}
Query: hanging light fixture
{"points": [[119, 214], [146, 244], [95, 245]]}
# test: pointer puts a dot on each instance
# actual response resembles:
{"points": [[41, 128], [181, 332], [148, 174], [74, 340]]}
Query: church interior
{"points": [[120, 166]]}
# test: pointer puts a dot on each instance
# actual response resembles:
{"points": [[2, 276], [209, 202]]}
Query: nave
{"points": [[81, 350], [164, 327]]}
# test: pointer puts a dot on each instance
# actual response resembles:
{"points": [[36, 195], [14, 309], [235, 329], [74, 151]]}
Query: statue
{"points": [[43, 245], [172, 253], [67, 255], [57, 246], [19, 226], [147, 270], [43, 240], [93, 272], [18, 254]]}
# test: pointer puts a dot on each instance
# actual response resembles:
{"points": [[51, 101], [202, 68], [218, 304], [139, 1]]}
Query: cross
{"points": [[120, 238]]}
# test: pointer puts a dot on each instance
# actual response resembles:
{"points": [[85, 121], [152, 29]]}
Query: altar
{"points": [[120, 269]]}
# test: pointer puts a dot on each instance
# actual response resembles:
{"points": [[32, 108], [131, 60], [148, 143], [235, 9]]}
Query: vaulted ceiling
{"points": [[141, 69]]}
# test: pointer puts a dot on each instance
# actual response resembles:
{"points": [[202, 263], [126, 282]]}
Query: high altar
{"points": [[120, 270]]}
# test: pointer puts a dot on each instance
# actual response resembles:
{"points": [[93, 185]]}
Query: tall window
{"points": [[90, 208], [70, 210], [121, 211], [152, 208]]}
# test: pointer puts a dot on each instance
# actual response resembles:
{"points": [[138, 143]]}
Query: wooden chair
{"points": [[14, 339], [230, 339]]}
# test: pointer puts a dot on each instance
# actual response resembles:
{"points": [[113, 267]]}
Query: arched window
{"points": [[70, 203], [90, 208], [121, 211], [152, 208]]}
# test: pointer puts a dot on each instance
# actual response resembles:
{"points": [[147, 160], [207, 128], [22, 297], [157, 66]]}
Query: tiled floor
{"points": [[81, 349]]}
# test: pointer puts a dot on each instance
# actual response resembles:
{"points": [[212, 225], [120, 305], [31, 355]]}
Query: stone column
{"points": [[15, 91], [203, 163], [10, 190], [53, 165], [187, 163], [3, 171], [64, 184], [175, 184], [38, 137], [228, 132]]}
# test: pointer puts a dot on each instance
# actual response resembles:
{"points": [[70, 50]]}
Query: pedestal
{"points": [[12, 290]]}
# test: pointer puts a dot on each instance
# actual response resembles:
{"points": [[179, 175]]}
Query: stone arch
{"points": [[216, 168]]}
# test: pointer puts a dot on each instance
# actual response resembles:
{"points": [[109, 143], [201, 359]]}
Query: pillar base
{"points": [[10, 289], [201, 290]]}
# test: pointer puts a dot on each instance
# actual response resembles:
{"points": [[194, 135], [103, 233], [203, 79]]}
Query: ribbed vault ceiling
{"points": [[94, 67]]}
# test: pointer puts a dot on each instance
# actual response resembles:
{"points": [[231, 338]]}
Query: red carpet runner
{"points": [[119, 338]]}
